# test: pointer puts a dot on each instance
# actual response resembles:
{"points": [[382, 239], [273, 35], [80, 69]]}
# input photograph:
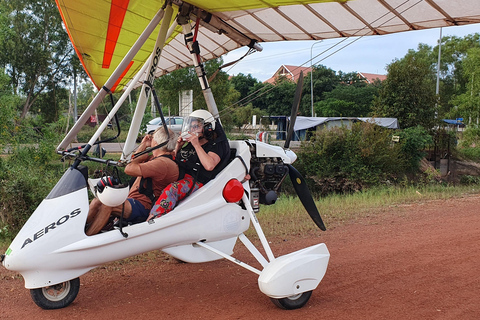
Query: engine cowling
{"points": [[268, 169]]}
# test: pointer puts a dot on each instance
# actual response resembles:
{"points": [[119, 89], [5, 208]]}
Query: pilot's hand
{"points": [[193, 139], [180, 141], [147, 140]]}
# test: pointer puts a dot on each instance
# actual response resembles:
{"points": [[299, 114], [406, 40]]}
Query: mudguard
{"points": [[294, 273]]}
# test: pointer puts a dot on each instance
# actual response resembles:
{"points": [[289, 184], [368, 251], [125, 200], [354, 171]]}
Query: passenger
{"points": [[200, 149], [160, 167]]}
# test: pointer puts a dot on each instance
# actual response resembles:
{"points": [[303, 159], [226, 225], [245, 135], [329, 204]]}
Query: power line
{"points": [[333, 46]]}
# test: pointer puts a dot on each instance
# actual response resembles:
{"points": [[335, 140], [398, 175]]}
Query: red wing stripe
{"points": [[121, 77], [118, 9]]}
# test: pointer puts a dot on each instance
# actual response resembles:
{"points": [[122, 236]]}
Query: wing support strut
{"points": [[111, 81], [194, 48], [152, 64]]}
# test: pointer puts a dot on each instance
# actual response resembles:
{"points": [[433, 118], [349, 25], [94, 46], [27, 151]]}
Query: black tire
{"points": [[56, 296], [292, 302]]}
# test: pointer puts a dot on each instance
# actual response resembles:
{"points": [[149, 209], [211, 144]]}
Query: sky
{"points": [[369, 54]]}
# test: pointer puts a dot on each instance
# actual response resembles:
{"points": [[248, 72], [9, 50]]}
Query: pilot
{"points": [[200, 151]]}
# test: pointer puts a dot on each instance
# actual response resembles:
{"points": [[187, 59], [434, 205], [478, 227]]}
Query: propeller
{"points": [[295, 106], [301, 188], [299, 183]]}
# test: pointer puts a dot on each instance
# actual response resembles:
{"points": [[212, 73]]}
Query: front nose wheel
{"points": [[292, 302], [56, 296]]}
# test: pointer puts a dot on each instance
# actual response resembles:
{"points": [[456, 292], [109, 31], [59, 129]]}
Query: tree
{"points": [[453, 82], [332, 107], [256, 96], [324, 80], [348, 100], [244, 114], [278, 99], [468, 103], [34, 48], [408, 93], [169, 86], [7, 109], [52, 102], [243, 84]]}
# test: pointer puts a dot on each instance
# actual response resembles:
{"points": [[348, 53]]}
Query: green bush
{"points": [[469, 146], [469, 180], [26, 177], [469, 153], [343, 160], [413, 142], [87, 132], [470, 137]]}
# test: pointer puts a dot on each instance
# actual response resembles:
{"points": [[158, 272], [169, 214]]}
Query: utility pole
{"points": [[437, 89], [311, 73]]}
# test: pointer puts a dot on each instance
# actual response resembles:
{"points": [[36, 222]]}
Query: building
{"points": [[371, 77], [293, 73], [290, 72]]}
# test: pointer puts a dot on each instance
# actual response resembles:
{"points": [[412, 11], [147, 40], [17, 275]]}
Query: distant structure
{"points": [[371, 77], [292, 73], [185, 103]]}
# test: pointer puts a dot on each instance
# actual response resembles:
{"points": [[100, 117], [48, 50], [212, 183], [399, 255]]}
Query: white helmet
{"points": [[207, 121], [109, 191]]}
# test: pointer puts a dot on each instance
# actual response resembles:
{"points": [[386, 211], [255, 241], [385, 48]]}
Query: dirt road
{"points": [[417, 261]]}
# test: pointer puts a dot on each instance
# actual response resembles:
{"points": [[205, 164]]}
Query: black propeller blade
{"points": [[305, 196], [295, 106], [298, 181]]}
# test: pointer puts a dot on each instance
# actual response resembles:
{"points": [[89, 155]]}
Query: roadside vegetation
{"points": [[344, 160]]}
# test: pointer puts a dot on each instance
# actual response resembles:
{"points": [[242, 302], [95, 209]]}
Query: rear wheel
{"points": [[292, 302], [56, 296]]}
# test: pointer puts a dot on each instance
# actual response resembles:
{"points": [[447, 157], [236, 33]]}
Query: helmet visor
{"points": [[192, 125]]}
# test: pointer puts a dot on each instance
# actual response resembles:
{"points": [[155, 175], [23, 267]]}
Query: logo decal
{"points": [[151, 75], [51, 227]]}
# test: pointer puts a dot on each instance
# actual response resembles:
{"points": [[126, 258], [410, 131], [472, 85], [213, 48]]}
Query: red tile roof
{"points": [[293, 72], [371, 77], [290, 72]]}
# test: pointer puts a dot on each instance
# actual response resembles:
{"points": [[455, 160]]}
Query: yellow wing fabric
{"points": [[103, 31]]}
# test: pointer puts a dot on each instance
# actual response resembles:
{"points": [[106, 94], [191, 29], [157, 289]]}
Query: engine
{"points": [[267, 173]]}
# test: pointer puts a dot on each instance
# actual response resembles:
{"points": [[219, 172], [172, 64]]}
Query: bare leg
{"points": [[99, 220], [127, 211], [93, 209]]}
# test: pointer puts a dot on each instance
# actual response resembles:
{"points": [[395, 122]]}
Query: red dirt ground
{"points": [[416, 261]]}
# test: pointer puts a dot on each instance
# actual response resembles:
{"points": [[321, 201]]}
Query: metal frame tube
{"points": [[202, 77], [258, 228], [253, 250], [164, 32], [117, 106], [230, 258], [112, 79]]}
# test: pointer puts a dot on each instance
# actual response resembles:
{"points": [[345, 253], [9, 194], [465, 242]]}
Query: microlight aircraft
{"points": [[125, 44]]}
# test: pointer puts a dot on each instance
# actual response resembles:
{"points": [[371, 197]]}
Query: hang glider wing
{"points": [[103, 31]]}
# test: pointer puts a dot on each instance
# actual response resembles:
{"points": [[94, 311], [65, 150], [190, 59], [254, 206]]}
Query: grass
{"points": [[287, 216], [3, 246], [87, 132]]}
